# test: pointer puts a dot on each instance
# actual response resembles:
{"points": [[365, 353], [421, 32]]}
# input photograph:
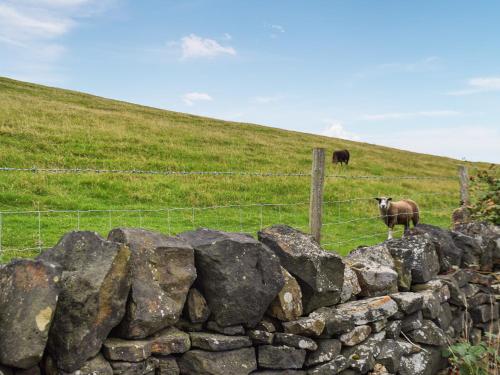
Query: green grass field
{"points": [[53, 128]]}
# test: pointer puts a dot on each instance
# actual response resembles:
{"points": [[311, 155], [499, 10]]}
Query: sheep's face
{"points": [[384, 203]]}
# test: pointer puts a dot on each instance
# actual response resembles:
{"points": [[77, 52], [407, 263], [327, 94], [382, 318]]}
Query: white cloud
{"points": [[278, 28], [424, 65], [192, 97], [335, 129], [194, 46], [479, 85], [406, 115]]}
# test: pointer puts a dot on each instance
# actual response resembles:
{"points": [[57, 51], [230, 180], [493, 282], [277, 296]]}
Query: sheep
{"points": [[341, 157], [398, 213]]}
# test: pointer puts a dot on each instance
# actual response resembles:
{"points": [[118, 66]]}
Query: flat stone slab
{"points": [[310, 326], [233, 362], [429, 334], [335, 366], [260, 337], [115, 349], [368, 310], [295, 341], [327, 350], [356, 336], [280, 357], [408, 302], [215, 342], [170, 341]]}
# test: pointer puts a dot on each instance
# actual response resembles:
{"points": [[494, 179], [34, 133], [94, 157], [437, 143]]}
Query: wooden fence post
{"points": [[316, 198], [464, 185]]}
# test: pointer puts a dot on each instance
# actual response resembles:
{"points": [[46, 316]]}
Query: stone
{"points": [[216, 343], [469, 290], [412, 321], [338, 364], [448, 253], [393, 329], [457, 296], [418, 254], [295, 341], [351, 287], [287, 305], [481, 299], [444, 317], [170, 341], [197, 309], [5, 370], [408, 302], [379, 254], [94, 288], [320, 273], [438, 286], [266, 324], [259, 337], [28, 296], [162, 271], [374, 279], [310, 326], [238, 275], [35, 370], [93, 366], [425, 362], [390, 355], [279, 372], [237, 330], [356, 336], [460, 276], [429, 334], [408, 348], [336, 323], [327, 350], [368, 310], [187, 326], [471, 249], [475, 336], [378, 325], [461, 322], [167, 365], [116, 349], [233, 362], [361, 358], [478, 278], [488, 235], [146, 367], [484, 313], [280, 357], [431, 304]]}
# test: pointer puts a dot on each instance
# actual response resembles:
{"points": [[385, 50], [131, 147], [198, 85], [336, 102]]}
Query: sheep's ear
{"points": [[389, 199], [377, 199]]}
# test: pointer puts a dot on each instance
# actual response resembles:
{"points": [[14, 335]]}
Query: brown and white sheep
{"points": [[398, 213]]}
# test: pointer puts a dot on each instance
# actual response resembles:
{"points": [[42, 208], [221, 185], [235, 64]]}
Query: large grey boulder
{"points": [[238, 275], [162, 271], [379, 254], [233, 362], [28, 296], [449, 254], [471, 249], [319, 273], [488, 235], [374, 279], [94, 288], [418, 254]]}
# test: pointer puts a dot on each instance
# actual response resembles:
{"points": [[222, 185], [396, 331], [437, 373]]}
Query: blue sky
{"points": [[419, 75]]}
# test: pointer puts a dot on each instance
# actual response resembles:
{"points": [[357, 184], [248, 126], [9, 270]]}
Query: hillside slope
{"points": [[48, 127]]}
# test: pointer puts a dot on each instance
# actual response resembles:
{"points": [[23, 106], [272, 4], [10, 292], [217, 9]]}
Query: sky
{"points": [[417, 75]]}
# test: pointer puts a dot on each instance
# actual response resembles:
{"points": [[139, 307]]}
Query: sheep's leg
{"points": [[389, 234]]}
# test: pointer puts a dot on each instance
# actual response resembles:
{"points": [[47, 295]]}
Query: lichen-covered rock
{"points": [[280, 357], [162, 271], [368, 310], [484, 313], [418, 254], [444, 317], [338, 364], [115, 349], [237, 330], [390, 355], [146, 367], [408, 302], [356, 336], [196, 307], [28, 295], [374, 279], [94, 288], [233, 362], [287, 305], [351, 287], [295, 341], [238, 275], [379, 254], [336, 323], [216, 343], [488, 236], [471, 249], [327, 350], [449, 254], [260, 337], [310, 326], [412, 321], [438, 286], [167, 365], [429, 334], [320, 273], [426, 362], [170, 341], [393, 329], [457, 296], [361, 358], [378, 325], [93, 366]]}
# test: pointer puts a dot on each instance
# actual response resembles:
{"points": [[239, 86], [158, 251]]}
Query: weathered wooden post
{"points": [[316, 198], [464, 185]]}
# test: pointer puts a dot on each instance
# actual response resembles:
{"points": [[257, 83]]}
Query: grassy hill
{"points": [[48, 127]]}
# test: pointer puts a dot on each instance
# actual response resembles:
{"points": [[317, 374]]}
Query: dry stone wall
{"points": [[210, 302]]}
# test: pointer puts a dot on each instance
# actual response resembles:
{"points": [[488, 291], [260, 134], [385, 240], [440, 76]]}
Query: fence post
{"points": [[316, 197], [464, 185]]}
